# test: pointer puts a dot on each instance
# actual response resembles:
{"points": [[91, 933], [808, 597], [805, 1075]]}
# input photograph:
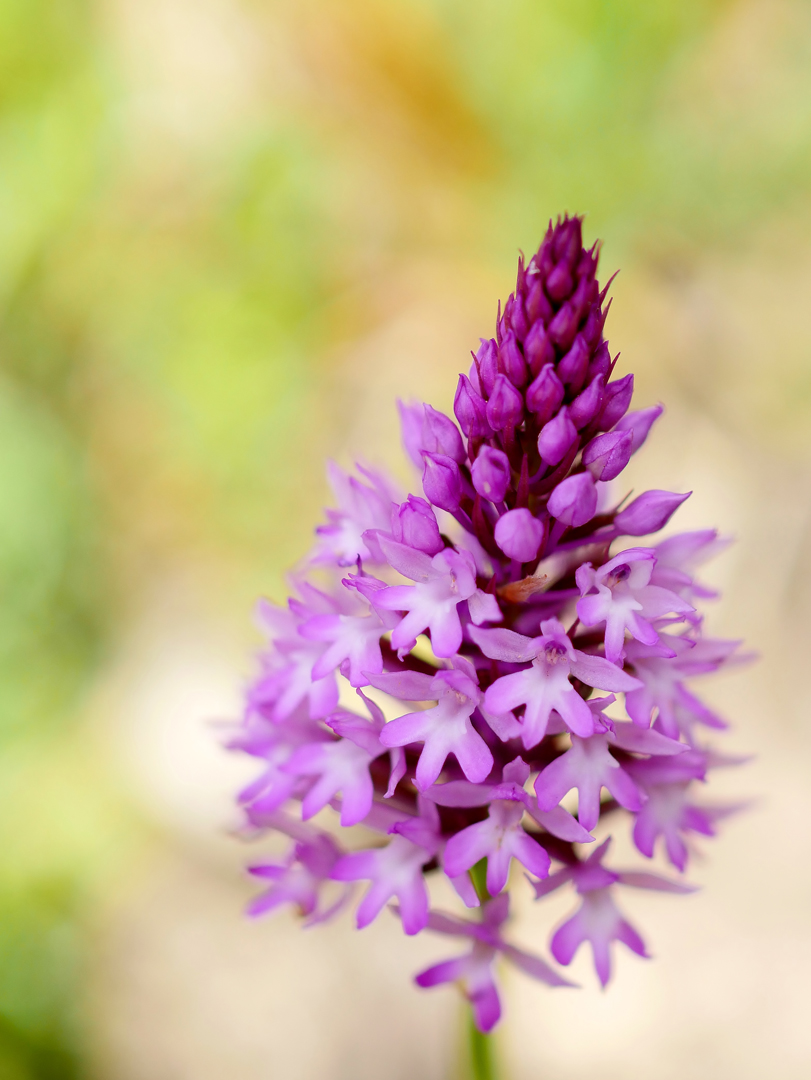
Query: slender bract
{"points": [[454, 663]]}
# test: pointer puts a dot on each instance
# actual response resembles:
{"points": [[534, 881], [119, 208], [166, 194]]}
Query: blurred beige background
{"points": [[233, 231]]}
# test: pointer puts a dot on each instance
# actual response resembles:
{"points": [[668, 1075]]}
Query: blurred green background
{"points": [[215, 218]]}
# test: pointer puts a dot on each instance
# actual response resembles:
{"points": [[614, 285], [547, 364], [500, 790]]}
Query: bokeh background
{"points": [[231, 232]]}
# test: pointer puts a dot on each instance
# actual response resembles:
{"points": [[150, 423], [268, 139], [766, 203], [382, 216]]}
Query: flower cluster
{"points": [[454, 664]]}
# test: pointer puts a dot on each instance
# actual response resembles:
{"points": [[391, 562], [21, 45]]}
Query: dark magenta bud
{"points": [[559, 284], [600, 362], [556, 437], [568, 241], [487, 357], [616, 399], [639, 424], [506, 405], [545, 394], [519, 534], [588, 404], [649, 513], [538, 306], [414, 523], [574, 365], [563, 327], [594, 326], [491, 474], [545, 258], [583, 295], [606, 456], [587, 264], [511, 360], [538, 349], [441, 436], [470, 409], [574, 500], [516, 317]]}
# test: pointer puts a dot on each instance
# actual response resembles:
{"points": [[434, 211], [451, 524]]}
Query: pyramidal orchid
{"points": [[492, 671]]}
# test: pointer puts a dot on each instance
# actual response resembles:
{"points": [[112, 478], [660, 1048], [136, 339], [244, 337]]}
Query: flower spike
{"points": [[509, 647]]}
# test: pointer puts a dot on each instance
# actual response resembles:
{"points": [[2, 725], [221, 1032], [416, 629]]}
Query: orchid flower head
{"points": [[495, 671]]}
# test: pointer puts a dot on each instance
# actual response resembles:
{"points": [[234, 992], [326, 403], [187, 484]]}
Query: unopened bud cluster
{"points": [[434, 676]]}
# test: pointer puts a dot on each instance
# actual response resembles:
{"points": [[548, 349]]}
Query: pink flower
{"points": [[361, 507], [445, 728], [598, 920], [443, 582], [545, 685], [620, 595], [299, 879], [589, 767], [499, 839], [394, 871], [474, 970], [662, 670]]}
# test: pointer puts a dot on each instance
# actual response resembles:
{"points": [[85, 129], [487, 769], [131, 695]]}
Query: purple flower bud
{"points": [[574, 365], [544, 260], [491, 474], [568, 241], [516, 317], [441, 436], [586, 266], [411, 422], [586, 405], [414, 523], [606, 456], [616, 399], [471, 410], [442, 481], [545, 394], [600, 362], [648, 513], [639, 424], [538, 349], [556, 437], [488, 364], [511, 360], [563, 328], [574, 500], [594, 325], [473, 378], [583, 295], [559, 284], [506, 405], [538, 306], [519, 534]]}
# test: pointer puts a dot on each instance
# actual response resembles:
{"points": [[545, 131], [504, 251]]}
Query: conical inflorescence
{"points": [[455, 663]]}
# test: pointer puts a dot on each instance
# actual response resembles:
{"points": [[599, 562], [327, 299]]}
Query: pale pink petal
{"points": [[529, 853], [414, 905], [499, 644], [467, 847], [406, 685], [600, 673], [535, 967], [407, 560], [483, 607], [446, 632]]}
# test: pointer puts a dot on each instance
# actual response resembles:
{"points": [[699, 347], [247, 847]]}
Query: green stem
{"points": [[480, 1051]]}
